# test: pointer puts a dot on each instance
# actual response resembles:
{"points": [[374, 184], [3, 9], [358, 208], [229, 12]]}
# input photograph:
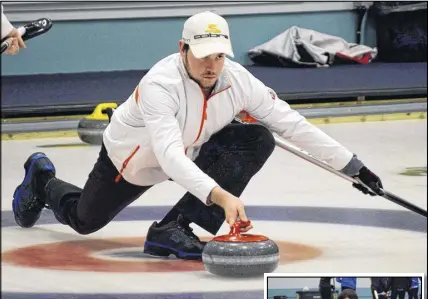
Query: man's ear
{"points": [[180, 46]]}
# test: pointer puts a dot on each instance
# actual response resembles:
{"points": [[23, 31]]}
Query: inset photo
{"points": [[345, 286]]}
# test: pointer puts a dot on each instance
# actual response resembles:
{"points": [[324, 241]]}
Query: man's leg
{"points": [[231, 157], [325, 287], [85, 210], [394, 293], [413, 293], [374, 294]]}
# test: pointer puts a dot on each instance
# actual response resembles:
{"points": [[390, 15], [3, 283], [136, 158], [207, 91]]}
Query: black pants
{"points": [[231, 157], [413, 293], [400, 293], [325, 287]]}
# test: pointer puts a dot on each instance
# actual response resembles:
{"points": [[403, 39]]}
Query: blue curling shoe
{"points": [[27, 204]]}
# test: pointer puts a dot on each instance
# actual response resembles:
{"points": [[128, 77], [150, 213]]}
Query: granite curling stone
{"points": [[91, 128], [240, 255]]}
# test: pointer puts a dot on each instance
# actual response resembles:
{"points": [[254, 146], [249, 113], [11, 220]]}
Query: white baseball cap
{"points": [[207, 33]]}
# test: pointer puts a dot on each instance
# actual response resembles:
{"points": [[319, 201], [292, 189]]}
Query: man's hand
{"points": [[371, 180], [15, 42], [232, 206]]}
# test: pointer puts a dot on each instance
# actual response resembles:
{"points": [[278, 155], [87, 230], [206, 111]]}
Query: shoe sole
{"points": [[159, 250], [27, 167]]}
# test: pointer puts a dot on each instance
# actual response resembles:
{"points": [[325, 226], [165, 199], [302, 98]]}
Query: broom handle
{"points": [[308, 157]]}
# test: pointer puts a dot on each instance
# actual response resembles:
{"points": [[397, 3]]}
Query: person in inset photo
{"points": [[379, 287], [414, 288], [325, 287], [348, 294], [399, 286], [347, 283]]}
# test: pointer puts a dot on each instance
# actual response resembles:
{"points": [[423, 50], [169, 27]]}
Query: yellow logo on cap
{"points": [[212, 28]]}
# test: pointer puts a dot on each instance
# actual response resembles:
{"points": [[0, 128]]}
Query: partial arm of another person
{"points": [[11, 34], [277, 115]]}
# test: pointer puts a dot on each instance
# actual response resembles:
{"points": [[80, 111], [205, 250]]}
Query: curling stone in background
{"points": [[90, 129], [240, 255]]}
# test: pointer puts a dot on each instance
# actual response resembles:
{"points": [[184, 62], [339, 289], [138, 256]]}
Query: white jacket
{"points": [[6, 26], [157, 133]]}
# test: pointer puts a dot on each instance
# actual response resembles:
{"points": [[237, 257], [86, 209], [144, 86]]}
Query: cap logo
{"points": [[212, 28], [208, 35]]}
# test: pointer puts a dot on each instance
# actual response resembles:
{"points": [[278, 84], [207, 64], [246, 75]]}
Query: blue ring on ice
{"points": [[392, 219]]}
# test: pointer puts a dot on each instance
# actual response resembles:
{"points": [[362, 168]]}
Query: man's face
{"points": [[204, 71]]}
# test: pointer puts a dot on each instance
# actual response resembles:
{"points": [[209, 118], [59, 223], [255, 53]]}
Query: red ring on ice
{"points": [[80, 256]]}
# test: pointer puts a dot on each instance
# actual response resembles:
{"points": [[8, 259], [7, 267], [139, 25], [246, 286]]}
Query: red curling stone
{"points": [[240, 255]]}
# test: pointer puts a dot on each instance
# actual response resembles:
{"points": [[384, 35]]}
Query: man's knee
{"points": [[264, 139], [87, 227]]}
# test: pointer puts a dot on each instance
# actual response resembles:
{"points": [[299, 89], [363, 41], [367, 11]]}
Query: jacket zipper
{"points": [[125, 163], [204, 113], [203, 119]]}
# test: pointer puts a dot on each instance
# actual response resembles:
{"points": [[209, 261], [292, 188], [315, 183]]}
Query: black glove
{"points": [[371, 180]]}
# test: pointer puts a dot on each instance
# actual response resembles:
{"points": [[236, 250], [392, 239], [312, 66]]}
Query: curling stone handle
{"points": [[236, 227]]}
